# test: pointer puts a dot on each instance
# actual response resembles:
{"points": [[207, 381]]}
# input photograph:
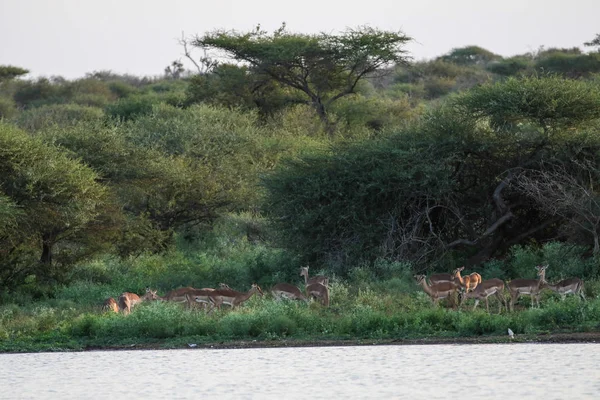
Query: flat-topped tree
{"points": [[324, 67], [10, 72]]}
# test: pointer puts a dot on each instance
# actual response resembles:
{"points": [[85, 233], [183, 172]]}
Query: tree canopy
{"points": [[324, 67]]}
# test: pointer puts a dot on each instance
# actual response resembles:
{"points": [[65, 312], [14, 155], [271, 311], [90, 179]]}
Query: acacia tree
{"points": [[324, 67], [50, 198]]}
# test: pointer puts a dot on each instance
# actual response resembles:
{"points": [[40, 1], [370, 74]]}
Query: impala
{"points": [[323, 280], [437, 291], [128, 300], [183, 295], [231, 297], [531, 287], [439, 278], [110, 304], [567, 286], [287, 291], [468, 282], [484, 290], [318, 291]]}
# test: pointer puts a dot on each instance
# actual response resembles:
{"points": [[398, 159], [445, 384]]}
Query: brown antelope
{"points": [[287, 291], [567, 286], [437, 291], [441, 277], [484, 290], [531, 287], [128, 300], [323, 280], [110, 304], [231, 297], [182, 295], [468, 282], [318, 291]]}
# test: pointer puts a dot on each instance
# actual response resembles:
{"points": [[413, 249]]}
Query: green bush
{"points": [[8, 108], [58, 114]]}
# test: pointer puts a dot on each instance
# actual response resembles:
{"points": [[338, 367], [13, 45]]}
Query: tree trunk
{"points": [[322, 113], [47, 244]]}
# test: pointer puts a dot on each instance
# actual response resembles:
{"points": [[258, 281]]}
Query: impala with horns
{"points": [[323, 280], [318, 291], [530, 287], [232, 297], [287, 291], [437, 291], [468, 282], [484, 290], [128, 300], [567, 286]]}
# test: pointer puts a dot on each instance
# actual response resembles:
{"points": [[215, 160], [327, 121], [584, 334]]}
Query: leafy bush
{"points": [[8, 108], [62, 115]]}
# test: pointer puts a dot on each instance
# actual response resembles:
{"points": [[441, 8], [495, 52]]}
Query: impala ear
{"points": [[461, 268]]}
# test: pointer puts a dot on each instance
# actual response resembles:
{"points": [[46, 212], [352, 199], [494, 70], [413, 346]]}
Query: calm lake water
{"points": [[516, 371]]}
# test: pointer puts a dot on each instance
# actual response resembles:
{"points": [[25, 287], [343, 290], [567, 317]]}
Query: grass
{"points": [[68, 322]]}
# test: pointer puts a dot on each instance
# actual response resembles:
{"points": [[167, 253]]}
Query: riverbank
{"points": [[57, 345]]}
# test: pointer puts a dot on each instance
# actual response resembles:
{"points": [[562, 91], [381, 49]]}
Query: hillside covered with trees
{"points": [[282, 149]]}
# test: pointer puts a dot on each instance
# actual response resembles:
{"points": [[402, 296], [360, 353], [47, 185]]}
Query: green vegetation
{"points": [[330, 149]]}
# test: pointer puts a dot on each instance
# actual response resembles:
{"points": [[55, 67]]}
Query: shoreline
{"points": [[556, 338]]}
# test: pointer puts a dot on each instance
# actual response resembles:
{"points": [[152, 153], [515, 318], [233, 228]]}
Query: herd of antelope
{"points": [[209, 298], [472, 287], [440, 286]]}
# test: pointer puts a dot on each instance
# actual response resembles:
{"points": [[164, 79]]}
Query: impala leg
{"points": [[513, 298], [487, 305], [476, 303]]}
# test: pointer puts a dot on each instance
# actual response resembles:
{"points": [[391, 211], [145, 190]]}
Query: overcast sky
{"points": [[72, 37]]}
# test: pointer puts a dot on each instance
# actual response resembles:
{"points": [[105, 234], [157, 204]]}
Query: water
{"points": [[518, 371]]}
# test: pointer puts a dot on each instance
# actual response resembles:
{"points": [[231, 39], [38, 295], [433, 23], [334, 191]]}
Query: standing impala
{"points": [[128, 300], [287, 291], [437, 291], [468, 282], [484, 290], [231, 297], [323, 280], [531, 287], [567, 286], [318, 291]]}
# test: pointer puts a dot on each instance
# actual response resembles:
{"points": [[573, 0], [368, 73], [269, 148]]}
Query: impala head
{"points": [[304, 271], [224, 286], [458, 270], [419, 278], [541, 270], [256, 289], [150, 295]]}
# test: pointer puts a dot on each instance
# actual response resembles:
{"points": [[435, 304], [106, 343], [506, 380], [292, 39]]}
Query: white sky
{"points": [[72, 37]]}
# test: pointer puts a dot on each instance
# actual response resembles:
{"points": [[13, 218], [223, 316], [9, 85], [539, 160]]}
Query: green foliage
{"points": [[550, 102], [131, 107], [325, 204], [62, 115], [470, 55], [322, 67], [9, 72], [7, 108], [510, 66], [569, 65], [60, 197], [37, 93]]}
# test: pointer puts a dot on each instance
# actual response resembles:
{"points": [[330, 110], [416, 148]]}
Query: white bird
{"points": [[192, 345], [511, 334]]}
